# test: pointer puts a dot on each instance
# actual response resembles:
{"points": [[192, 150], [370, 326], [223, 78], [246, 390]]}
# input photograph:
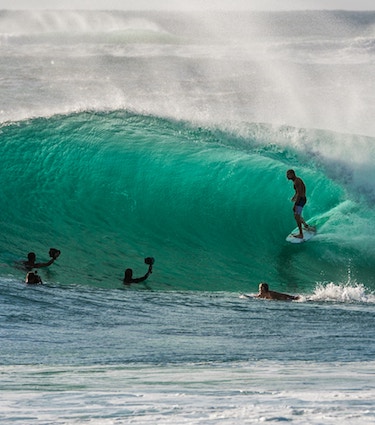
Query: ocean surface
{"points": [[125, 135]]}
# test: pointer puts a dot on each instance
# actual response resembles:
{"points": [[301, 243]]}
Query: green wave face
{"points": [[213, 208]]}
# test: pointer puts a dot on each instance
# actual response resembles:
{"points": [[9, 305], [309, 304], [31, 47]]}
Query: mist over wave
{"points": [[304, 69]]}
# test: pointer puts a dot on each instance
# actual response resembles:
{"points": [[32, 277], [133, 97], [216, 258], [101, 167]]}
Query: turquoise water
{"points": [[109, 189]]}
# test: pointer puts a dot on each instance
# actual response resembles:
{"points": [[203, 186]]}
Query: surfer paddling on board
{"points": [[264, 292], [299, 200]]}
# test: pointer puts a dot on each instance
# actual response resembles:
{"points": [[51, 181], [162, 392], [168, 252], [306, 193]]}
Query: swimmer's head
{"points": [[31, 256], [263, 287]]}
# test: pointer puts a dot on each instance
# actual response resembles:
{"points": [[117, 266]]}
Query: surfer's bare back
{"points": [[264, 292]]}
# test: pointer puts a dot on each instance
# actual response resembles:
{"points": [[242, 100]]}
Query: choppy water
{"points": [[143, 134]]}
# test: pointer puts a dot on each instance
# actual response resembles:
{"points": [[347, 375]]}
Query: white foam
{"points": [[191, 394], [346, 292]]}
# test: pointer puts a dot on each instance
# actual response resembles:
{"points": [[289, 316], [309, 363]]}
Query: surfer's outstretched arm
{"points": [[129, 279]]}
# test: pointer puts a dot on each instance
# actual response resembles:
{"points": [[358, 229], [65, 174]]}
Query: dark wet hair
{"points": [[31, 256], [265, 286]]}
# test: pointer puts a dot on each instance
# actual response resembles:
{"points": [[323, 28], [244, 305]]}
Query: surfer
{"points": [[32, 278], [31, 258], [264, 292], [129, 279], [299, 200]]}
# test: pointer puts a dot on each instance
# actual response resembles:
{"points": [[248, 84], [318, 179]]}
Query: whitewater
{"points": [[126, 135]]}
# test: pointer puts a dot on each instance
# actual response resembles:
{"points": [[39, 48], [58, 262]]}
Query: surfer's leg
{"points": [[299, 224], [307, 226], [299, 220], [300, 235]]}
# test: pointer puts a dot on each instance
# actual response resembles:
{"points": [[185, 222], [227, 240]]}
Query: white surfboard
{"points": [[307, 235], [248, 296]]}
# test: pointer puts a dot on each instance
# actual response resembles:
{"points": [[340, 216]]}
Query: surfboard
{"points": [[307, 235], [248, 296]]}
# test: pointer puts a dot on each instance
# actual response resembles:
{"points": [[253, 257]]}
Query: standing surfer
{"points": [[299, 200]]}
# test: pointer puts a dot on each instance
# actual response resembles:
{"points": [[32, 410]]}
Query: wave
{"points": [[212, 206], [37, 22]]}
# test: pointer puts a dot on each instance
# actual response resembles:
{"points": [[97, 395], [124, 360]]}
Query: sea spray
{"points": [[342, 293]]}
